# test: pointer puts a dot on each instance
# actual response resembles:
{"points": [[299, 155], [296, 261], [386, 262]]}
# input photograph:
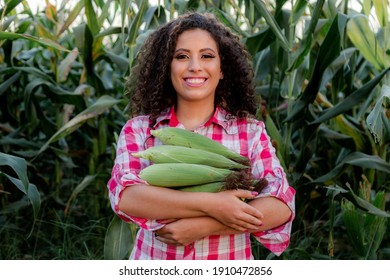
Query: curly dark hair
{"points": [[149, 86]]}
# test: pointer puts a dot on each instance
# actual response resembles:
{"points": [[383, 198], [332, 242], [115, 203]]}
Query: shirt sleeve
{"points": [[126, 168], [265, 164]]}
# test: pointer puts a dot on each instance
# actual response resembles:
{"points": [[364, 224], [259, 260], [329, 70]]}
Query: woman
{"points": [[193, 73]]}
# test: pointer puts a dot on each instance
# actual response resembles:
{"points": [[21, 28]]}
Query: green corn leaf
{"points": [[4, 35], [32, 194], [33, 71], [376, 226], [66, 65], [275, 135], [358, 201], [349, 128], [19, 165], [266, 36], [136, 23], [329, 51], [340, 138], [151, 17], [227, 20], [124, 4], [60, 94], [87, 181], [260, 6], [105, 7], [355, 159], [102, 142], [119, 60], [7, 83], [297, 11], [5, 10], [335, 66], [382, 11], [118, 241], [91, 18], [354, 224], [367, 161], [366, 231], [308, 134], [376, 119], [361, 35], [100, 106], [75, 12], [306, 44], [134, 29], [84, 43], [51, 13], [352, 100]]}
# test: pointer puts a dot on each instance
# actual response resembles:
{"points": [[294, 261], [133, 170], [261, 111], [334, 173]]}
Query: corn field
{"points": [[323, 84]]}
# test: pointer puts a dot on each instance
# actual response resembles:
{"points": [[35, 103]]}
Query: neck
{"points": [[194, 116]]}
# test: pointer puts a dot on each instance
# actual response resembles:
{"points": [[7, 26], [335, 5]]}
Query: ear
{"points": [[221, 76]]}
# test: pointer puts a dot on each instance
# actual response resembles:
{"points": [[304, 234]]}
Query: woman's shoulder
{"points": [[250, 122], [137, 123]]}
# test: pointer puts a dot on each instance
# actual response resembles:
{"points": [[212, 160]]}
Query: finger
{"points": [[166, 240], [254, 212], [244, 227], [248, 221], [245, 194], [251, 226], [166, 221]]}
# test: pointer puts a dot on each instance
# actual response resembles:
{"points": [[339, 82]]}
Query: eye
{"points": [[208, 56], [181, 56]]}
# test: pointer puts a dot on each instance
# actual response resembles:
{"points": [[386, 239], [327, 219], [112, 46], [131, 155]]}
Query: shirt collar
{"points": [[220, 117]]}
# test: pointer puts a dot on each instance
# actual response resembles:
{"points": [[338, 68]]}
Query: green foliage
{"points": [[365, 231], [322, 78]]}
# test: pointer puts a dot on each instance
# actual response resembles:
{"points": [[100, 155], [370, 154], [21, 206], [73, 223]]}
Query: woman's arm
{"points": [[275, 211], [188, 230], [154, 203]]}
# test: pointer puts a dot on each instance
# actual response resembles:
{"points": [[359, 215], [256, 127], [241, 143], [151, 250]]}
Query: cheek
{"points": [[175, 71], [218, 71], [175, 77]]}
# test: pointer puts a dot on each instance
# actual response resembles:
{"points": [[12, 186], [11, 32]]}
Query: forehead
{"points": [[194, 38]]}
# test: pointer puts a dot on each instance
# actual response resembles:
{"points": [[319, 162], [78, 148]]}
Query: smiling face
{"points": [[196, 66]]}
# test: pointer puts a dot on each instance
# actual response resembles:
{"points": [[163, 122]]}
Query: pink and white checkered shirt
{"points": [[248, 139]]}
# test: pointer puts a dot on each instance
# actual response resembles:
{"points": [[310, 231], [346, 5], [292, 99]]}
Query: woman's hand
{"points": [[179, 232], [228, 208]]}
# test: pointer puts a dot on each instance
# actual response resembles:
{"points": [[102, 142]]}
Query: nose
{"points": [[194, 65]]}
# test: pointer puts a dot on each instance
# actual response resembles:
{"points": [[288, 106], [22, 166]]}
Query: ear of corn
{"points": [[177, 154], [209, 187], [182, 174], [194, 163], [182, 137]]}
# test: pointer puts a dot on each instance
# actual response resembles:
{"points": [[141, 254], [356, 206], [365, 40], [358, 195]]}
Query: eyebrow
{"points": [[202, 50]]}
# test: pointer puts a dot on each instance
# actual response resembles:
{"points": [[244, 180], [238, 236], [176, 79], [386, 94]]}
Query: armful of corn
{"points": [[192, 162]]}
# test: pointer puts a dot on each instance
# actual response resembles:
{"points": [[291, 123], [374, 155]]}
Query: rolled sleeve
{"points": [[265, 164], [126, 168]]}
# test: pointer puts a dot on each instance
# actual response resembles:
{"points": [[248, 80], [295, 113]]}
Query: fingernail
{"points": [[254, 193]]}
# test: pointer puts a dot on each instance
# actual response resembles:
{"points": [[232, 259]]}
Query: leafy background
{"points": [[323, 84]]}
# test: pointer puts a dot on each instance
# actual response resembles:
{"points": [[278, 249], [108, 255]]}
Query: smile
{"points": [[195, 81]]}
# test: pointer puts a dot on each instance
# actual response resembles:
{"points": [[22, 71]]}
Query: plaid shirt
{"points": [[247, 138]]}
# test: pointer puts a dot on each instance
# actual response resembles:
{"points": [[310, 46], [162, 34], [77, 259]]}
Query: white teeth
{"points": [[195, 81]]}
